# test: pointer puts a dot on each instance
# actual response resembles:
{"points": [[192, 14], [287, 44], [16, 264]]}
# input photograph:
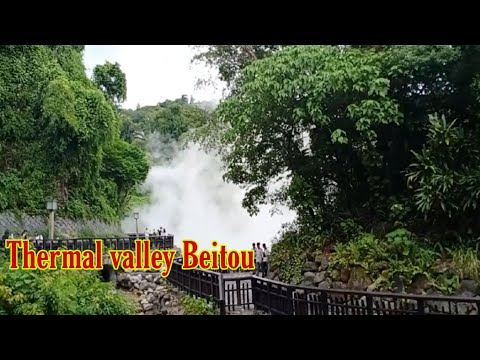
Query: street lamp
{"points": [[52, 207], [135, 216]]}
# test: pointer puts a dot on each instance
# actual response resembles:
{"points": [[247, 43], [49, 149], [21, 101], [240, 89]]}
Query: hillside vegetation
{"points": [[367, 140], [60, 135]]}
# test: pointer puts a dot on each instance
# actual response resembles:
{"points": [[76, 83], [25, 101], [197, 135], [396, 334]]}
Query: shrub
{"points": [[58, 292], [197, 306]]}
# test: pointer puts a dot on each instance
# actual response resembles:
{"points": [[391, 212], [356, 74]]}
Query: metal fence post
{"points": [[221, 294]]}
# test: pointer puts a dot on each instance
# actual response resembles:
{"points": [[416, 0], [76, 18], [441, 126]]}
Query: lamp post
{"points": [[52, 207], [135, 216]]}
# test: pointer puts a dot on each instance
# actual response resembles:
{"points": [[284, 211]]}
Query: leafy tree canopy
{"points": [[112, 81], [56, 130], [377, 134]]}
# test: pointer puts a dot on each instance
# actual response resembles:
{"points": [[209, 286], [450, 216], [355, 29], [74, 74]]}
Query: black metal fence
{"points": [[238, 293], [231, 292], [161, 242], [196, 282], [276, 298], [283, 299]]}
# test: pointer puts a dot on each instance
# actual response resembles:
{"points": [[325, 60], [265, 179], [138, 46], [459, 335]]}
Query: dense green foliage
{"points": [[58, 292], [197, 306], [59, 133], [170, 119], [364, 133], [374, 137], [112, 81]]}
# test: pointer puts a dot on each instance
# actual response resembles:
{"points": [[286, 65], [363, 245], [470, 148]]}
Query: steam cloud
{"points": [[190, 199]]}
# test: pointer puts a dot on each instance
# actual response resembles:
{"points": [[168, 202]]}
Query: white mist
{"points": [[191, 200]]}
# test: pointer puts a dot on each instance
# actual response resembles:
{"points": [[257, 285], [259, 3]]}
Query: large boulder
{"points": [[420, 284], [323, 263], [339, 285], [319, 277], [324, 285], [470, 286], [310, 266], [359, 279], [144, 285], [345, 275], [308, 278]]}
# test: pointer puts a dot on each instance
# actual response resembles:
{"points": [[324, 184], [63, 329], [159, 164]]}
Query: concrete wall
{"points": [[63, 227]]}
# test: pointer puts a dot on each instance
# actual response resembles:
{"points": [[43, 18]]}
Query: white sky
{"points": [[154, 73]]}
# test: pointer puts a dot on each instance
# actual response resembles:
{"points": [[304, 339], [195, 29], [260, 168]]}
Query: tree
{"points": [[126, 164], [343, 125], [55, 125], [170, 118], [112, 81], [229, 60]]}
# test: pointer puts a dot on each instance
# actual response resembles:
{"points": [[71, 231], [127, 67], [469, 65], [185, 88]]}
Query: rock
{"points": [[143, 285], [159, 288], [469, 285], [124, 282], [318, 259], [143, 301], [272, 275], [149, 312], [335, 274], [167, 303], [308, 278], [319, 277], [359, 280], [138, 293], [136, 285], [310, 257], [309, 266], [133, 279], [276, 278], [323, 263], [151, 298], [149, 277], [324, 285], [147, 307], [344, 275], [339, 285], [157, 280], [467, 294], [419, 284], [149, 290]]}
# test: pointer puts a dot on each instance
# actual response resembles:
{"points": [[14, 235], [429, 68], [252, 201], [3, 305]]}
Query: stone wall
{"points": [[63, 227], [318, 272], [154, 295]]}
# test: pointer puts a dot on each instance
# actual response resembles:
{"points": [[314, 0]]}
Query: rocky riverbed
{"points": [[154, 295]]}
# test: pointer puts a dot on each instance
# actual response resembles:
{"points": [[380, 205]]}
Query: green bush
{"points": [[401, 255], [198, 306], [58, 292]]}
